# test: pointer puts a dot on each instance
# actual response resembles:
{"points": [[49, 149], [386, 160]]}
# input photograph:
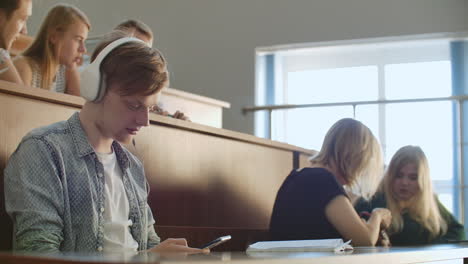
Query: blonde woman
{"points": [[406, 190], [52, 60], [312, 202]]}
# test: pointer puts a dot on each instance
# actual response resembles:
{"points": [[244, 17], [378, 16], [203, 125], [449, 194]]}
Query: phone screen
{"points": [[216, 242]]}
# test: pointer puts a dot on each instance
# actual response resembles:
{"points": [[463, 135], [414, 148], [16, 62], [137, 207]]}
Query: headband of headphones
{"points": [[92, 82]]}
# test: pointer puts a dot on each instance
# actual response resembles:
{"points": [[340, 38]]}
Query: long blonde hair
{"points": [[351, 147], [41, 51], [422, 207]]}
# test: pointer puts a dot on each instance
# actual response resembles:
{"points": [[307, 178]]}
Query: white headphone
{"points": [[92, 83]]}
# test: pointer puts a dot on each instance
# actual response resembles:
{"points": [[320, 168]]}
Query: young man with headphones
{"points": [[72, 186]]}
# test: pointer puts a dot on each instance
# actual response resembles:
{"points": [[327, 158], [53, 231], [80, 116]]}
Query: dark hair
{"points": [[138, 68], [9, 6], [137, 25]]}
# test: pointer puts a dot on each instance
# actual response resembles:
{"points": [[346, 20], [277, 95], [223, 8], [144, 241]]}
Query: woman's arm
{"points": [[72, 80], [24, 70], [8, 71], [344, 218]]}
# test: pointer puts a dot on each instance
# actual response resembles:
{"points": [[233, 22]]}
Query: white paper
{"points": [[336, 245]]}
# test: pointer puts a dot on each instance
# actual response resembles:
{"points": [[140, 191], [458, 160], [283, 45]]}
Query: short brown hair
{"points": [[137, 25], [138, 68], [9, 6]]}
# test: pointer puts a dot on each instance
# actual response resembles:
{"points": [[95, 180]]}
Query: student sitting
{"points": [[312, 203], [417, 215], [138, 29], [72, 186], [13, 17], [52, 60]]}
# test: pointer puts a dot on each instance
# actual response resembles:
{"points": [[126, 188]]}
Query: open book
{"points": [[336, 245]]}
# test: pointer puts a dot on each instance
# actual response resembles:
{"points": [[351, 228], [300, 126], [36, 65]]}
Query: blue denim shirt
{"points": [[54, 192]]}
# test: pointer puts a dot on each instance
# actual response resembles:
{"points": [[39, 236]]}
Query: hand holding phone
{"points": [[216, 242]]}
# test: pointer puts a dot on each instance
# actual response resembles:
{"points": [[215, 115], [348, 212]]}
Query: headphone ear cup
{"points": [[90, 82], [101, 87]]}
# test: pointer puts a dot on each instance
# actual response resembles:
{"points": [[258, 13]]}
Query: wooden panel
{"points": [[201, 180]]}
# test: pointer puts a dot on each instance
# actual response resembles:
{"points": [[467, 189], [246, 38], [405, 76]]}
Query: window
{"points": [[371, 72]]}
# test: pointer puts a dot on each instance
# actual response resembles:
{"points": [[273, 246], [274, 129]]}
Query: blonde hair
{"points": [[353, 150], [423, 206], [41, 51]]}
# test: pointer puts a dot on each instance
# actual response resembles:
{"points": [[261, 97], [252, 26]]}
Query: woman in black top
{"points": [[312, 202]]}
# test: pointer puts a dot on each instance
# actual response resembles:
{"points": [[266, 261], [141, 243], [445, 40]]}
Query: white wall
{"points": [[210, 44]]}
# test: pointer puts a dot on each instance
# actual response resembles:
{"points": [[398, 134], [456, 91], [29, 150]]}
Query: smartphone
{"points": [[216, 242]]}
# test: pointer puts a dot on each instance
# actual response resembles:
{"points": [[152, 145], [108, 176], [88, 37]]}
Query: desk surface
{"points": [[442, 253]]}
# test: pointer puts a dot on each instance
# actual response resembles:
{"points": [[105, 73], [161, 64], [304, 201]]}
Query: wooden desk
{"points": [[205, 181], [443, 254]]}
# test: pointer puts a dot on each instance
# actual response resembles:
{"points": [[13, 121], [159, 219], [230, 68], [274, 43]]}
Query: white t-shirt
{"points": [[117, 236]]}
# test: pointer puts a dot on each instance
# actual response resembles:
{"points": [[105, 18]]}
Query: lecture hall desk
{"points": [[440, 254]]}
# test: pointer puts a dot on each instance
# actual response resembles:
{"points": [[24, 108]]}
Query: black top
{"points": [[413, 233], [299, 210]]}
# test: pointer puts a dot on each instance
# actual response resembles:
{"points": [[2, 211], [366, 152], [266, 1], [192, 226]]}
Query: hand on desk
{"points": [[180, 115], [384, 240], [385, 215], [386, 219], [177, 115], [176, 245]]}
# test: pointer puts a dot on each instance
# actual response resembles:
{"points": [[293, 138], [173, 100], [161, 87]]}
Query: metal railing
{"points": [[459, 123]]}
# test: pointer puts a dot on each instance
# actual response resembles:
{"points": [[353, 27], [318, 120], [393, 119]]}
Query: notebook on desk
{"points": [[332, 245]]}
